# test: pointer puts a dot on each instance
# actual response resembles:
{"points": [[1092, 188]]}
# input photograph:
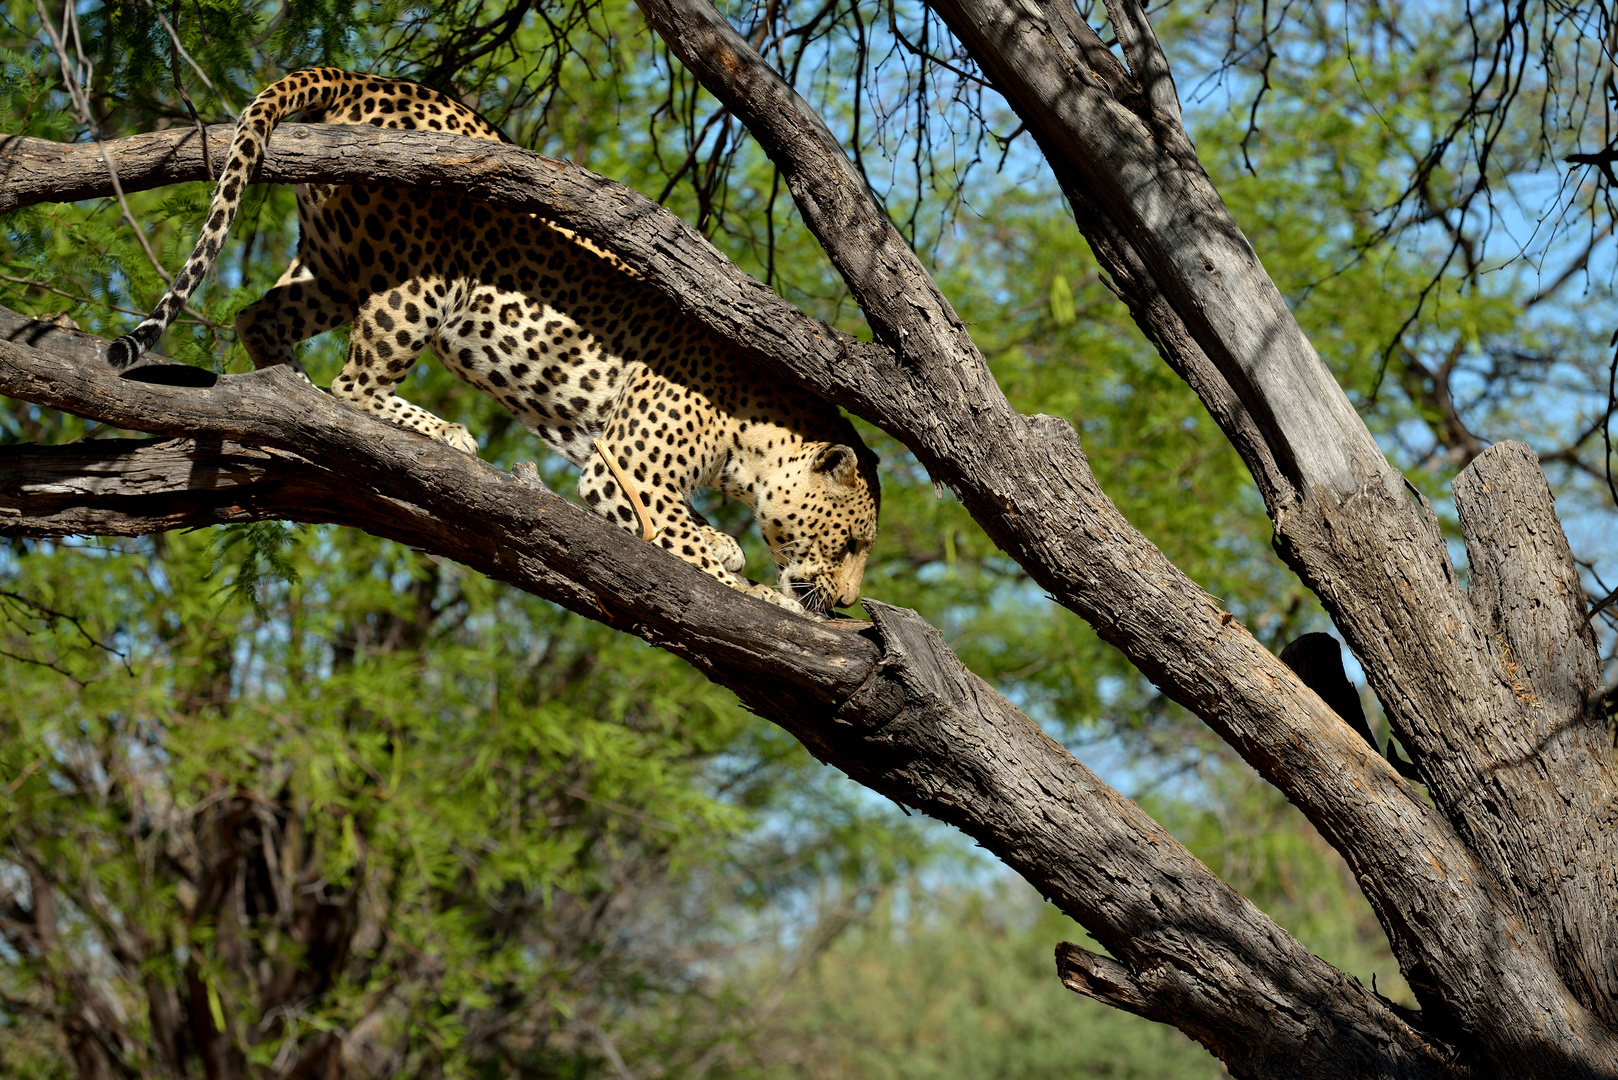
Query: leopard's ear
{"points": [[838, 463]]}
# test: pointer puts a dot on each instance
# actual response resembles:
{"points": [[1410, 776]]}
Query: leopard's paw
{"points": [[725, 549], [773, 596], [459, 437]]}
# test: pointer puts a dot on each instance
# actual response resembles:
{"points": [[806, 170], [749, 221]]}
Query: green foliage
{"points": [[932, 985], [275, 783], [1063, 313], [260, 552], [447, 777]]}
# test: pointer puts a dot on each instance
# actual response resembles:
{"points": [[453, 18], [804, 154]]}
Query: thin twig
{"points": [[203, 75], [1600, 605], [51, 615], [185, 96], [70, 21], [40, 285], [82, 104], [1606, 422], [59, 292]]}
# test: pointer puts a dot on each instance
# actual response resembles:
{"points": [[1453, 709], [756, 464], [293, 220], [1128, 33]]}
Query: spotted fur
{"points": [[559, 332]]}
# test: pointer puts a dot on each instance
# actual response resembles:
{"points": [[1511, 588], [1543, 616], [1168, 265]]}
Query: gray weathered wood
{"points": [[525, 531], [1531, 610], [1509, 963], [1374, 553], [651, 239], [1025, 480], [890, 706]]}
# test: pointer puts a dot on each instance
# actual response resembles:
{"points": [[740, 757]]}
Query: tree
{"points": [[1492, 878]]}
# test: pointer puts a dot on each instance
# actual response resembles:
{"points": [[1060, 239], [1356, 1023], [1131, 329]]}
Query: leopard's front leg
{"points": [[724, 547], [669, 518]]}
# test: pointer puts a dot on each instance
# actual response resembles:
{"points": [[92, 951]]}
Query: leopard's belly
{"points": [[504, 299]]}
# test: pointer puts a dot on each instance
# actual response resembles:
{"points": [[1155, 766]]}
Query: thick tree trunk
{"points": [[889, 704], [1497, 894], [1528, 780], [1373, 553]]}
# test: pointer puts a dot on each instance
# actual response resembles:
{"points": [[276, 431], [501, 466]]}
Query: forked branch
{"points": [[890, 705], [1453, 901], [918, 732]]}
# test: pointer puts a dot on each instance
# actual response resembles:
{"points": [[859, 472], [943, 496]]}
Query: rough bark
{"points": [[1375, 555], [1553, 744], [1345, 523], [1514, 965], [1024, 478], [391, 482], [889, 704]]}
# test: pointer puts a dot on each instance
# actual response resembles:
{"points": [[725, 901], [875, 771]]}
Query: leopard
{"points": [[599, 365]]}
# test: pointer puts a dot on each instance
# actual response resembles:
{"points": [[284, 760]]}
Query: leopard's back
{"points": [[599, 365]]}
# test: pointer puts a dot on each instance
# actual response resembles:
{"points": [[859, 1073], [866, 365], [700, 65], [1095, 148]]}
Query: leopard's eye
{"points": [[852, 547]]}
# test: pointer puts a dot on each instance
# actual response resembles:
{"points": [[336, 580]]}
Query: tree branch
{"points": [[1027, 483], [1343, 518], [890, 705], [1025, 480], [1104, 979], [391, 483]]}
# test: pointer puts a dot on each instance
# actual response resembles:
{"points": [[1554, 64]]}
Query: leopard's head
{"points": [[818, 514]]}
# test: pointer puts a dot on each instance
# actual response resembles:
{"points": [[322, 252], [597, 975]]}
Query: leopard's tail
{"points": [[311, 89]]}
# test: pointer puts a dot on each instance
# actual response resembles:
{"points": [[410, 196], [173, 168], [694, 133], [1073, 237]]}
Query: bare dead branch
{"points": [[1105, 980], [890, 705], [1041, 489], [1026, 481]]}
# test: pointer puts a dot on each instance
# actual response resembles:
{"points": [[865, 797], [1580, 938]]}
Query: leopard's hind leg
{"points": [[299, 306], [389, 332]]}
